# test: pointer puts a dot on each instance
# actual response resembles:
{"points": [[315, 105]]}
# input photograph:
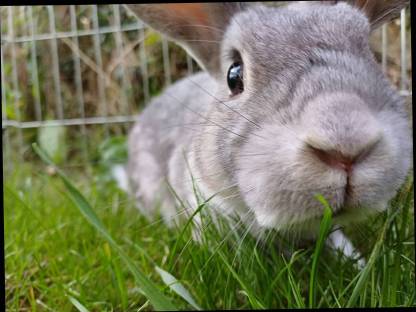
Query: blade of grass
{"points": [[350, 284], [80, 307], [293, 259], [358, 289], [255, 302], [185, 227], [32, 299], [150, 290], [324, 228], [397, 257], [121, 285], [338, 305], [294, 287], [177, 287]]}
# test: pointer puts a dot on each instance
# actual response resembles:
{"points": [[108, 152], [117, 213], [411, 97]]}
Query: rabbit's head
{"points": [[305, 108]]}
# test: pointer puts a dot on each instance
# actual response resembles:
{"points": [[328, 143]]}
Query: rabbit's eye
{"points": [[235, 78]]}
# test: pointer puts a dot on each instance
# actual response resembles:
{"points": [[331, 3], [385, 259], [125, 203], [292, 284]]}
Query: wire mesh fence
{"points": [[79, 66], [90, 68]]}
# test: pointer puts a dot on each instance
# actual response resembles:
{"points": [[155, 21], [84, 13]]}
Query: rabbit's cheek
{"points": [[379, 176]]}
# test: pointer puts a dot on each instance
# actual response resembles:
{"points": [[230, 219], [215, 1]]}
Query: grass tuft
{"points": [[53, 255], [149, 289]]}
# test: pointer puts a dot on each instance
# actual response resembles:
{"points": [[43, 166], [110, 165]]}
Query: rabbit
{"points": [[290, 103]]}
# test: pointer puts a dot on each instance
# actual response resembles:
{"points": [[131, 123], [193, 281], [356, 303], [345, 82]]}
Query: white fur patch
{"points": [[120, 175], [338, 240]]}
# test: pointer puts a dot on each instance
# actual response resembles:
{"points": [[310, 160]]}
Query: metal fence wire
{"points": [[89, 68]]}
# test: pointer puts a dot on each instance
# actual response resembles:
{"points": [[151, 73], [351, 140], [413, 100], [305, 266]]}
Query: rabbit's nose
{"points": [[334, 159]]}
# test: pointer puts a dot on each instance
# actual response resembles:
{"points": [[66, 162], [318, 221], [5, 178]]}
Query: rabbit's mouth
{"points": [[352, 208], [350, 204], [342, 211]]}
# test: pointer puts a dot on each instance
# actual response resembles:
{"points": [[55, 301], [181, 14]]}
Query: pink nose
{"points": [[334, 159]]}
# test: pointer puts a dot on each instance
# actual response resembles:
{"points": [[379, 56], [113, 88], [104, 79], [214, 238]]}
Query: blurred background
{"points": [[74, 76]]}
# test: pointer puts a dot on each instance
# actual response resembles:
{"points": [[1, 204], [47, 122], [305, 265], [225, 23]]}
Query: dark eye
{"points": [[235, 78]]}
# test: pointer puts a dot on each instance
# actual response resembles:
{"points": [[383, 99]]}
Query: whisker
{"points": [[198, 26], [223, 103], [201, 40], [205, 118], [162, 219], [281, 123], [251, 155], [238, 224], [240, 243]]}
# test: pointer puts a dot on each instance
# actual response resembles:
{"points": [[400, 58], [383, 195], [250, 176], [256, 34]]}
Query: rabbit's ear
{"points": [[379, 11], [198, 27]]}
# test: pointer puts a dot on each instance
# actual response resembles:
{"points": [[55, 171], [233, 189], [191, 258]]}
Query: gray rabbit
{"points": [[291, 103]]}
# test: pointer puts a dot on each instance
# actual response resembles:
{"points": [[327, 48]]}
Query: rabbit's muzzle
{"points": [[339, 148]]}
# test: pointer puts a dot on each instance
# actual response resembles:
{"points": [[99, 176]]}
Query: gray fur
{"points": [[310, 79]]}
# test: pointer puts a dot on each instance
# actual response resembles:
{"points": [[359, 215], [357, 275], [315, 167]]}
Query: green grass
{"points": [[81, 245]]}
